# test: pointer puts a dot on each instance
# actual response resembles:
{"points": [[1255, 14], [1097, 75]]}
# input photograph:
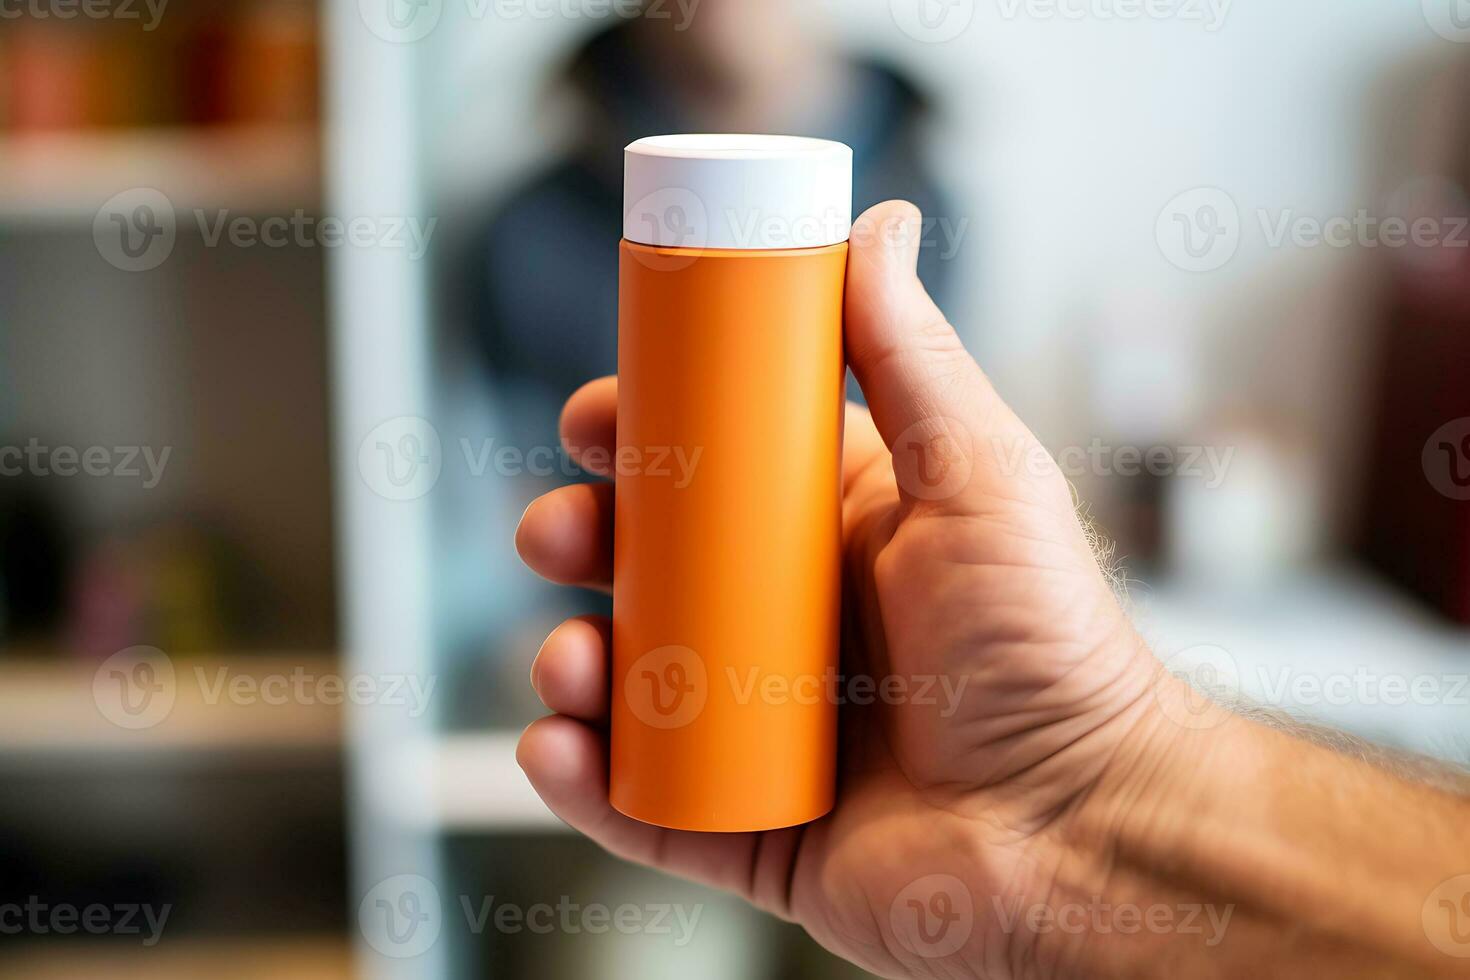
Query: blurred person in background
{"points": [[541, 280]]}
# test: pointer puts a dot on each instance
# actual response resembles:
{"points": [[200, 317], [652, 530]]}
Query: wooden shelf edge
{"points": [[68, 177], [53, 710]]}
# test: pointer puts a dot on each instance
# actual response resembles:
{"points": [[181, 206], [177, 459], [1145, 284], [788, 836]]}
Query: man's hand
{"points": [[965, 561]]}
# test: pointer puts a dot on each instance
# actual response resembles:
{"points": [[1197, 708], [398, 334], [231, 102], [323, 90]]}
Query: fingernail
{"points": [[536, 674], [516, 537]]}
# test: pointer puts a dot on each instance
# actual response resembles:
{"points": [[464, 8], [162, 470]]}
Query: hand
{"points": [[966, 562]]}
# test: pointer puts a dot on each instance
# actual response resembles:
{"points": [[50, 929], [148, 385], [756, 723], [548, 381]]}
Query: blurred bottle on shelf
{"points": [[50, 75], [253, 62], [273, 64], [173, 585]]}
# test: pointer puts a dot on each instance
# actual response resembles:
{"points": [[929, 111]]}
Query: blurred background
{"points": [[291, 292]]}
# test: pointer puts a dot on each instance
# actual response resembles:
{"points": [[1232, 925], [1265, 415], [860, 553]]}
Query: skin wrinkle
{"points": [[755, 867], [793, 866]]}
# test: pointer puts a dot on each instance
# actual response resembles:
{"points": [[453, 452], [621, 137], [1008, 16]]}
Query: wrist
{"points": [[1119, 908], [1243, 842]]}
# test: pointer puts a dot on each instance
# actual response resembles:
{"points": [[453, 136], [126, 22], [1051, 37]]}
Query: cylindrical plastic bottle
{"points": [[727, 564]]}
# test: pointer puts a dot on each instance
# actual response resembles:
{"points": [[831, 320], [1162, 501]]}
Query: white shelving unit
{"points": [[380, 371]]}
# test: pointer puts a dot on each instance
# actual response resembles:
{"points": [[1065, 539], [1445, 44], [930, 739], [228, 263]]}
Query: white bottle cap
{"points": [[737, 191]]}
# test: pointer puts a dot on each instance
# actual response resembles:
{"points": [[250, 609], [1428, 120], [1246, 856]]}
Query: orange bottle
{"points": [[727, 553]]}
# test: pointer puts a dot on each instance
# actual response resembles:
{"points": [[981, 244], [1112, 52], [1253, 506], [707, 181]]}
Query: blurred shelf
{"points": [[50, 712], [324, 958], [66, 177]]}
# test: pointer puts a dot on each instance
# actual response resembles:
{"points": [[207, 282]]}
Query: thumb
{"points": [[939, 415]]}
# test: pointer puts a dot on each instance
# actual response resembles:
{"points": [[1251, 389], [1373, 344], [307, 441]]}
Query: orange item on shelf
{"points": [[273, 65], [51, 74]]}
